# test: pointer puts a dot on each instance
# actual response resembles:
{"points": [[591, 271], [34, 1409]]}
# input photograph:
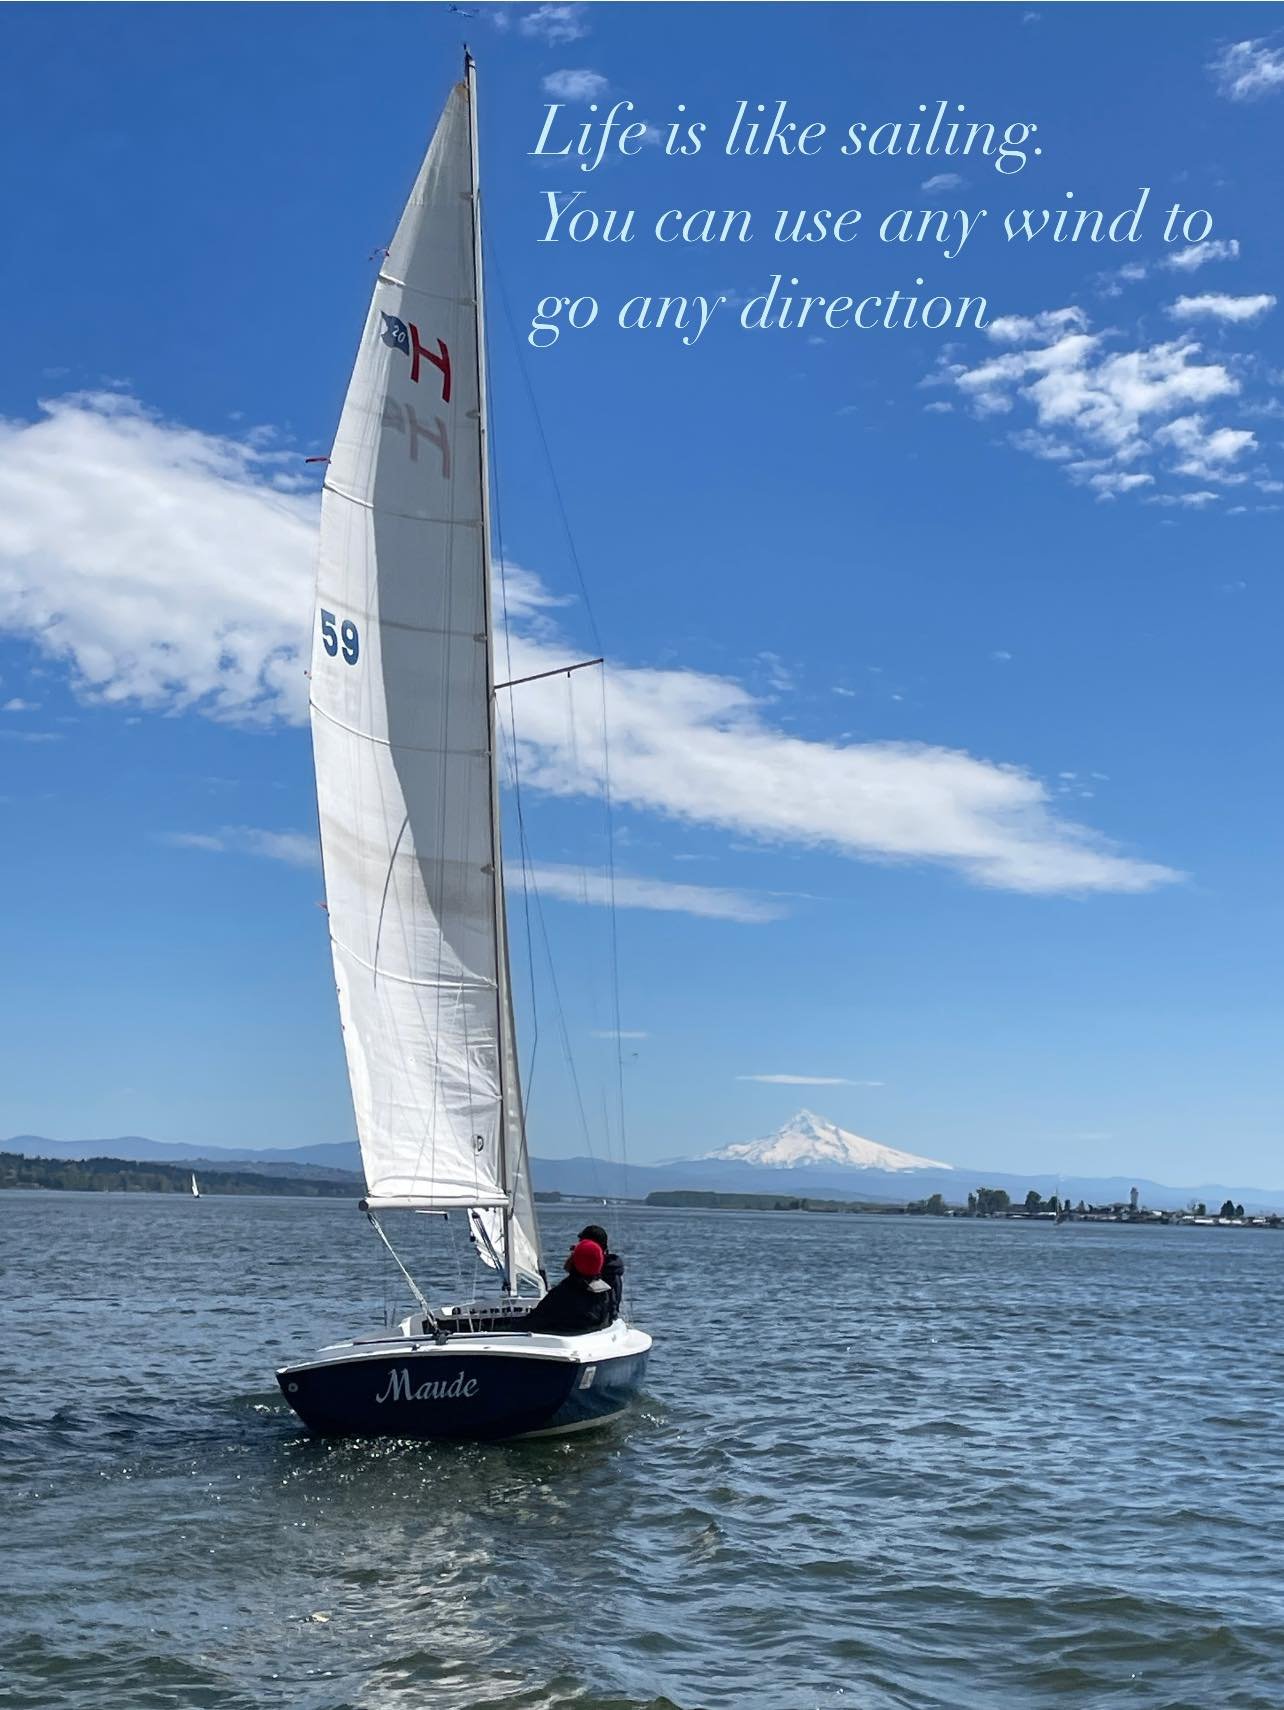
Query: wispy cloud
{"points": [[1204, 453], [1187, 260], [1198, 255], [778, 674], [808, 1081], [1247, 70], [943, 181], [295, 848], [17, 704], [1021, 329], [575, 85], [211, 617], [1191, 501], [554, 24], [1109, 483], [619, 1033], [1216, 306], [574, 884]]}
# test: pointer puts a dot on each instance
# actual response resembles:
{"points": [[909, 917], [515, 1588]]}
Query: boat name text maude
{"points": [[400, 1388]]}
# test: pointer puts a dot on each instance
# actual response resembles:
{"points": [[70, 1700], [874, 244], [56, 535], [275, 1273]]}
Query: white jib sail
{"points": [[402, 727]]}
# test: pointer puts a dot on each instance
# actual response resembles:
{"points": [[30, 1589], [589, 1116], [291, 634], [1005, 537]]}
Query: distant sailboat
{"points": [[196, 1192], [404, 740]]}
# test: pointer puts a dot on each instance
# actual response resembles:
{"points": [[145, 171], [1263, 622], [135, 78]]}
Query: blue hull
{"points": [[462, 1396]]}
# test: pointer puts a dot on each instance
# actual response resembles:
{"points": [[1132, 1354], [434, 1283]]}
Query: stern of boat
{"points": [[468, 1385]]}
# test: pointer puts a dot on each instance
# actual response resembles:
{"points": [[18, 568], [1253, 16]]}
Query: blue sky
{"points": [[945, 702]]}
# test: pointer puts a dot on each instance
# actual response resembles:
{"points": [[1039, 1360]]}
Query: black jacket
{"points": [[613, 1275], [572, 1307]]}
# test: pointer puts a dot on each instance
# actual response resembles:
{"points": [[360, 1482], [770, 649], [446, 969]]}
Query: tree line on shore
{"points": [[981, 1202], [112, 1175]]}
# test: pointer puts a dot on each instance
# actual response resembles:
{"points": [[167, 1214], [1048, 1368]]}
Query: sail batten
{"points": [[403, 728]]}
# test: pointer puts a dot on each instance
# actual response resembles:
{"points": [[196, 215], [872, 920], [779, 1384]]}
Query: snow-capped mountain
{"points": [[808, 1139]]}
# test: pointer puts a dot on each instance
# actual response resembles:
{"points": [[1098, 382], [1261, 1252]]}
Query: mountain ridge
{"points": [[808, 1141]]}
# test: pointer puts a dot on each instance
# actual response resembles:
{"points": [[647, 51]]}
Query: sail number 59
{"points": [[345, 636]]}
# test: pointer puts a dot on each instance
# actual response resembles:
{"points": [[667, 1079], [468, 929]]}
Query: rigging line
{"points": [[523, 370], [561, 1018], [615, 935], [595, 633], [523, 844], [548, 459], [414, 1286]]}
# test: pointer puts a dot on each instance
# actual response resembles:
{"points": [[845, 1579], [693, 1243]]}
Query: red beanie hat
{"points": [[587, 1259]]}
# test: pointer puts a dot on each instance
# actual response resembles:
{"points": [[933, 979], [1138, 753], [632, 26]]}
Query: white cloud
{"points": [[295, 848], [575, 884], [1217, 306], [17, 704], [575, 85], [1020, 329], [166, 570], [1075, 386], [1001, 655], [1192, 501], [1206, 454], [700, 749], [943, 181], [1040, 445], [619, 1033], [1243, 71], [1200, 254], [554, 24], [1111, 483], [161, 563], [939, 407], [808, 1081], [1102, 413]]}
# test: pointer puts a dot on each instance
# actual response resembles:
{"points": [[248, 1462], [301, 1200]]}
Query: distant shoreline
{"points": [[116, 1175], [979, 1208]]}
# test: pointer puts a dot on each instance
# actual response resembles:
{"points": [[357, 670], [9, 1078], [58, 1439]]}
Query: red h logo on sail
{"points": [[404, 336]]}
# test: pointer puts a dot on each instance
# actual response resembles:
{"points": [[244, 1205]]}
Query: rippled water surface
{"points": [[879, 1463]]}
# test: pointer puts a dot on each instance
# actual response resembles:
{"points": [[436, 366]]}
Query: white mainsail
{"points": [[403, 729]]}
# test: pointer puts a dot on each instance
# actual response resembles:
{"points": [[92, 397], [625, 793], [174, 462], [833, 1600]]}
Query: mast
{"points": [[510, 1109]]}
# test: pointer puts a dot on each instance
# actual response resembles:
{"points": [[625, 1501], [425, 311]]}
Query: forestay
{"points": [[403, 730]]}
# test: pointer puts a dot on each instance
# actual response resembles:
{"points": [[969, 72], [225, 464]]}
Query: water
{"points": [[880, 1463]]}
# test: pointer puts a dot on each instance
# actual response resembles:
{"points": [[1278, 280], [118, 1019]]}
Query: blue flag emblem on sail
{"points": [[395, 332]]}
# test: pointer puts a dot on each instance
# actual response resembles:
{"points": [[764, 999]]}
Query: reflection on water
{"points": [[881, 1463]]}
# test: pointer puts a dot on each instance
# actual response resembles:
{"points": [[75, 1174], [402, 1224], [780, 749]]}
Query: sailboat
{"points": [[403, 710], [196, 1192]]}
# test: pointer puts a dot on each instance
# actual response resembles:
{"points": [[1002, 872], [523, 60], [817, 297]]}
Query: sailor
{"points": [[580, 1302], [612, 1268]]}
